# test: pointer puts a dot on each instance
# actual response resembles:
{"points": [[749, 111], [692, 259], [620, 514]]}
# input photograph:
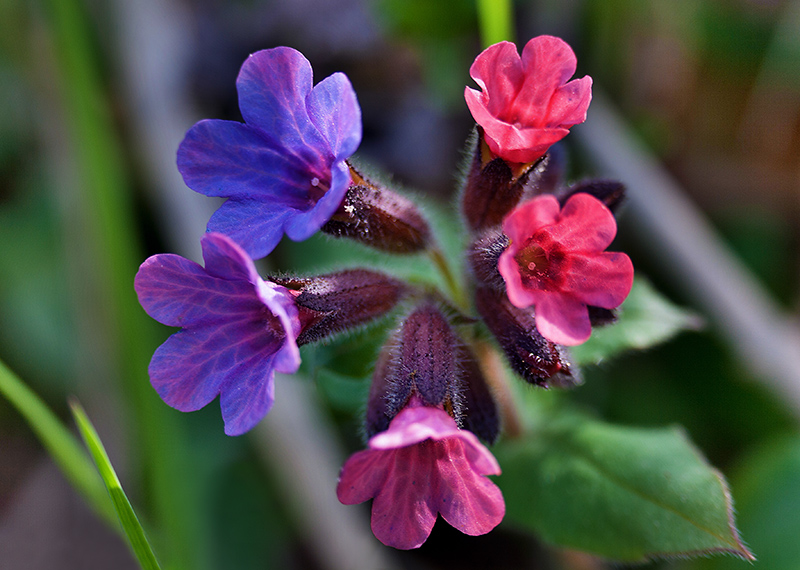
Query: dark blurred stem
{"points": [[496, 375], [452, 283]]}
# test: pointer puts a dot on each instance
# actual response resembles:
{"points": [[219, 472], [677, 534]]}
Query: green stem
{"points": [[439, 261], [495, 18]]}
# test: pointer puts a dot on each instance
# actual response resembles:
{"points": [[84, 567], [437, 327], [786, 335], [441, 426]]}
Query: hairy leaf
{"points": [[767, 483], [621, 493]]}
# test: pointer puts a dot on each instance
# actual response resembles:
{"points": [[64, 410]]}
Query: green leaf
{"points": [[646, 319], [59, 443], [130, 523], [621, 493], [767, 488]]}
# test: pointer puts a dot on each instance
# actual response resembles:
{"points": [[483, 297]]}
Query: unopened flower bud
{"points": [[599, 316], [341, 301], [609, 192], [494, 187], [483, 255], [379, 217], [426, 359], [480, 415], [530, 355]]}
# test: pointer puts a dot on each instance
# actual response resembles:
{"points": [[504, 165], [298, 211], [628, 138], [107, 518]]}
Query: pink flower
{"points": [[526, 104], [423, 465], [556, 263]]}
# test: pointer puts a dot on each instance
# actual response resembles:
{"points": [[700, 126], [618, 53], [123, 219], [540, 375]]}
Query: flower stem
{"points": [[436, 255], [496, 375], [495, 18]]}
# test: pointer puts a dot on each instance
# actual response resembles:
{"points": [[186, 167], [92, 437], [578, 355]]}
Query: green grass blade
{"points": [[130, 523], [495, 18], [109, 240], [59, 442]]}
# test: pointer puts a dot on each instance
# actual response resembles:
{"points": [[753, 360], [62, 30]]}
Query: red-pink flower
{"points": [[526, 104], [423, 465], [556, 263]]}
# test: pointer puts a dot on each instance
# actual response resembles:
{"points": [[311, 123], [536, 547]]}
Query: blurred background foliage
{"points": [[89, 123]]}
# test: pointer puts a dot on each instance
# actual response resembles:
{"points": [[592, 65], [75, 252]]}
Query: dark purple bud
{"points": [[494, 187], [479, 414], [599, 316], [425, 358], [379, 217], [341, 301], [483, 254], [530, 355], [609, 192], [385, 397]]}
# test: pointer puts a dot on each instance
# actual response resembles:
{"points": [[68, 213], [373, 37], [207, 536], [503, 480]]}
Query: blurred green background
{"points": [[94, 99]]}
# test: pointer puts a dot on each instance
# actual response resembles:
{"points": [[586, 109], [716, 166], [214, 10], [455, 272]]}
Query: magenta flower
{"points": [[556, 263], [423, 465], [283, 170], [526, 104], [237, 330]]}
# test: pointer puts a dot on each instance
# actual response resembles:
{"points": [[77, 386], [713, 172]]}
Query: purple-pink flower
{"points": [[237, 330], [283, 170], [421, 466], [556, 262], [526, 104]]}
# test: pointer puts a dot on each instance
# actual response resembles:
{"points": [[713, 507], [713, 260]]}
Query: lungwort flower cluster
{"points": [[538, 268]]}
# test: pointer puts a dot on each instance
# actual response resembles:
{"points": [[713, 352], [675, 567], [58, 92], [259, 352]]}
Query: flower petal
{"points": [[362, 476], [190, 368], [334, 110], [402, 513], [498, 71], [248, 394], [468, 501], [529, 217], [226, 158], [585, 225], [179, 293], [413, 425], [519, 295], [480, 459], [515, 143], [562, 319], [603, 280], [226, 260], [273, 85], [570, 103], [257, 226], [548, 62], [303, 225], [281, 303]]}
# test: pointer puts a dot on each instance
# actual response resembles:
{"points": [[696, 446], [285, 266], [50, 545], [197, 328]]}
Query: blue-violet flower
{"points": [[237, 331], [283, 170]]}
